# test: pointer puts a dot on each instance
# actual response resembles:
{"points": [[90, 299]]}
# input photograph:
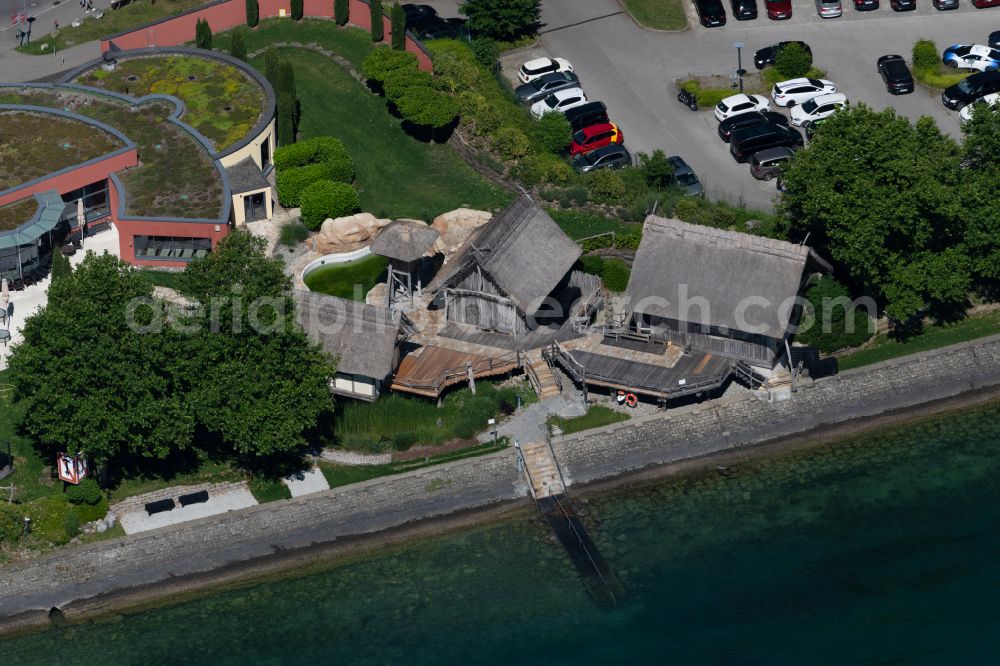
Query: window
{"points": [[96, 203], [177, 248]]}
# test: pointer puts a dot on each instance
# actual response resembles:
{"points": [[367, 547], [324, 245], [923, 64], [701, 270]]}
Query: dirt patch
{"points": [[428, 450]]}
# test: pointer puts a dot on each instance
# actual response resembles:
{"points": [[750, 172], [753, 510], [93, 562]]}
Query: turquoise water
{"points": [[882, 549]]}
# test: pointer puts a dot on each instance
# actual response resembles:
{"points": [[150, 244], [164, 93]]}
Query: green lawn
{"points": [[31, 478], [932, 338], [595, 417], [268, 490], [349, 42], [341, 279], [397, 176], [168, 279], [941, 76], [658, 14], [209, 471], [579, 225]]}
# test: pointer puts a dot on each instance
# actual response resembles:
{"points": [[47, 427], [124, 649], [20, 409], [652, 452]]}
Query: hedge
{"points": [[384, 60], [425, 106], [325, 198], [86, 492], [398, 82], [317, 149], [291, 182]]}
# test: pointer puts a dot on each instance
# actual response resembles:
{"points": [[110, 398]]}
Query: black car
{"points": [[941, 5], [994, 40], [543, 86], [767, 55], [750, 140], [969, 90], [439, 28], [903, 5], [711, 13], [866, 5], [741, 120], [895, 73], [744, 10], [613, 156], [586, 115], [418, 14]]}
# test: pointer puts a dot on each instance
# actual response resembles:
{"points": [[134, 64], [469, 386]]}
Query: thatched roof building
{"points": [[404, 240]]}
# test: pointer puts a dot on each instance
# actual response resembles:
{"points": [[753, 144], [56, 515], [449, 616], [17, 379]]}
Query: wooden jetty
{"points": [[549, 491]]}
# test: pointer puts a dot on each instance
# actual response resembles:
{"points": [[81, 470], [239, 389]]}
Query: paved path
{"points": [[306, 483], [529, 423], [139, 521], [633, 70]]}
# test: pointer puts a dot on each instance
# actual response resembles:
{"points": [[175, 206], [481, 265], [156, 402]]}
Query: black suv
{"points": [[711, 13], [750, 140], [741, 120], [744, 10], [969, 90], [767, 55], [895, 73]]}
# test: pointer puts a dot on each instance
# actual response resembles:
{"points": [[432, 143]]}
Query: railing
{"points": [[452, 375]]}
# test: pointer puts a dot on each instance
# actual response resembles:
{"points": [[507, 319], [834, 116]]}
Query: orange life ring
{"points": [[632, 400]]}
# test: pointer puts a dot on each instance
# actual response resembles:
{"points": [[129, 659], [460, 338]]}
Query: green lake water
{"points": [[881, 549]]}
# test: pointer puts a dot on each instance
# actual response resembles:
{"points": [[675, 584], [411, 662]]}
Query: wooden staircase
{"points": [[541, 376], [541, 469]]}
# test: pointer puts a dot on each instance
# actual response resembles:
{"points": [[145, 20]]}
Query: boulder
{"points": [[346, 234], [456, 226]]}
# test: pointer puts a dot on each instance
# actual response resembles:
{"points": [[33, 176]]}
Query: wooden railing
{"points": [[460, 373]]}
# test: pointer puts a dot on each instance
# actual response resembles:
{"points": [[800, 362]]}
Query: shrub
{"points": [[592, 263], [511, 142], [398, 21], [85, 492], [793, 61], [687, 209], [554, 132], [71, 523], [326, 198], [253, 13], [828, 295], [402, 441], [424, 106], [292, 234], [291, 182], [542, 168], [286, 118], [578, 194], [341, 11], [378, 28], [398, 82], [457, 71], [203, 34], [656, 169], [238, 46], [607, 187], [487, 52], [381, 61], [297, 9], [316, 149], [11, 524], [708, 97], [925, 55], [615, 274]]}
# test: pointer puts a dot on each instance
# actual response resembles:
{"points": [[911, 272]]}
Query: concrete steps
{"points": [[542, 469]]}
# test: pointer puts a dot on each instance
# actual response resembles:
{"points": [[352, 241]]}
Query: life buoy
{"points": [[632, 400]]}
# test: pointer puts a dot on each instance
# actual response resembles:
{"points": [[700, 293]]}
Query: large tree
{"points": [[981, 191], [878, 194], [503, 20]]}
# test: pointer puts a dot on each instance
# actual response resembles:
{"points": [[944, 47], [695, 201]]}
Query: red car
{"points": [[979, 4], [778, 10], [594, 137]]}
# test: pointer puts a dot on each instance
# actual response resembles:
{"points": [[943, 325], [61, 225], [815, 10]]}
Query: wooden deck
{"points": [[428, 370]]}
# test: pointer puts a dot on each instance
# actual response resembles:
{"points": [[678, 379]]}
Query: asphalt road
{"points": [[633, 70], [45, 12]]}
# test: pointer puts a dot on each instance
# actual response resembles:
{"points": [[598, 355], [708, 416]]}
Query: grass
{"points": [[33, 145], [348, 42], [658, 14], [932, 337], [343, 475], [15, 214], [940, 76], [269, 490], [579, 225], [168, 279], [32, 479], [344, 279], [595, 417], [221, 102], [397, 175], [293, 233], [209, 471], [119, 20], [753, 84]]}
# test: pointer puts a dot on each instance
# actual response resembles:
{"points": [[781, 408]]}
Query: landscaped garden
{"points": [[596, 416], [930, 70], [351, 279], [222, 102], [658, 14], [33, 145]]}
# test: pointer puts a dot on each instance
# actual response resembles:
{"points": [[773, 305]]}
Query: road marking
{"points": [[573, 25]]}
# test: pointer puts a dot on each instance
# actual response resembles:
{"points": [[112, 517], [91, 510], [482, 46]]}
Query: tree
{"points": [[657, 169], [286, 118], [554, 132], [502, 20], [61, 267], [297, 9], [378, 27], [341, 11], [487, 51], [877, 194], [981, 191], [253, 13], [398, 20], [203, 34], [793, 61], [238, 47], [272, 67]]}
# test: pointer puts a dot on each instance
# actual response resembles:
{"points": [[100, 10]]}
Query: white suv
{"points": [[559, 101], [533, 69], [796, 91], [817, 108]]}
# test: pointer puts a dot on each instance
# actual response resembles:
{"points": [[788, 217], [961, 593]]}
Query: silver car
{"points": [[829, 8], [542, 87]]}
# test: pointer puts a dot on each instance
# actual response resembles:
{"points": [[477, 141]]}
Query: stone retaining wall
{"points": [[138, 502], [383, 503]]}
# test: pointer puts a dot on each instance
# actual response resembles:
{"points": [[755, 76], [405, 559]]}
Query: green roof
{"points": [[50, 209]]}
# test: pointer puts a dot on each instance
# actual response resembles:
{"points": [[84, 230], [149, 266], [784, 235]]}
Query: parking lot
{"points": [[633, 70]]}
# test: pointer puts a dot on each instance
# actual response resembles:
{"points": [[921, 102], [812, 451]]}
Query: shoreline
{"points": [[284, 563]]}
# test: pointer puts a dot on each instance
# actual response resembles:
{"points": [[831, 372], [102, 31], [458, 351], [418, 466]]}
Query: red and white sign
{"points": [[72, 469]]}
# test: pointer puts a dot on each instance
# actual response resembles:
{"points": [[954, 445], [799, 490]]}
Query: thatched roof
{"points": [[738, 275], [246, 176], [404, 240], [362, 336], [522, 249]]}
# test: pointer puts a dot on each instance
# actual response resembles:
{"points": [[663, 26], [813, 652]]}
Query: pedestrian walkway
{"points": [[140, 521], [306, 483]]}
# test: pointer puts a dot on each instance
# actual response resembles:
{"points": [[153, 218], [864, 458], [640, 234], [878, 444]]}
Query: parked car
{"points": [[737, 104], [741, 120], [533, 69], [595, 136], [766, 164], [587, 114], [829, 8], [895, 74], [750, 140], [744, 10], [686, 178], [971, 88], [769, 54], [903, 5], [778, 10], [440, 28], [711, 13], [559, 101], [981, 4], [994, 40], [941, 5], [414, 14], [967, 110], [865, 5], [971, 56], [810, 126], [543, 86], [796, 91], [613, 156], [821, 106]]}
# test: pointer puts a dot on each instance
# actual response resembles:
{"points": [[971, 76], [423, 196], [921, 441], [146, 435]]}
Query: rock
{"points": [[455, 227], [102, 527], [346, 234], [377, 295]]}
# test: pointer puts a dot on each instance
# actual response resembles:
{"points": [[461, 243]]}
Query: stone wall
{"points": [[138, 502]]}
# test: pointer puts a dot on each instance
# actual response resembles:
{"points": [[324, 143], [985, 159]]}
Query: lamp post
{"points": [[739, 63]]}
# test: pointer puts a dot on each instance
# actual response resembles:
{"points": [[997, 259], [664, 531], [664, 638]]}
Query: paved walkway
{"points": [[139, 521], [306, 483], [529, 423]]}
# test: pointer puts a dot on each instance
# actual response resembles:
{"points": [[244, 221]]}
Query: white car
{"points": [[737, 104], [559, 101], [968, 109], [532, 69], [796, 91], [817, 108], [972, 56]]}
